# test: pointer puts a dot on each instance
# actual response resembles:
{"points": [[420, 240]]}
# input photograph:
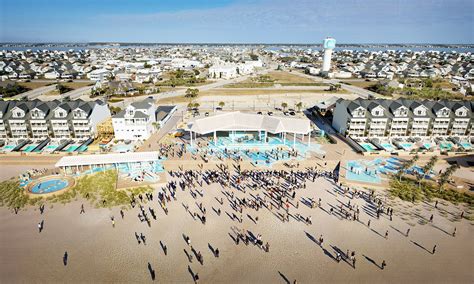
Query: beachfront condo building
{"points": [[38, 119], [136, 121], [367, 118]]}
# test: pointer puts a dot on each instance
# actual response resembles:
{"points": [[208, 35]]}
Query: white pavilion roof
{"points": [[250, 122], [86, 160]]}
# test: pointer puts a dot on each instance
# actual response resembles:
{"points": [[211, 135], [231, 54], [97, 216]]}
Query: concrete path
{"points": [[33, 94], [74, 94]]}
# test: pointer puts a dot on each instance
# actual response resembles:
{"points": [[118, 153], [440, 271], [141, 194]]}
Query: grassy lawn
{"points": [[275, 77], [76, 85], [360, 84], [249, 84], [304, 84], [115, 100], [35, 85], [408, 190], [283, 77]]}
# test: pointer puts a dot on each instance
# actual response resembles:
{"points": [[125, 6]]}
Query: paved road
{"points": [[74, 94], [35, 92], [169, 127]]}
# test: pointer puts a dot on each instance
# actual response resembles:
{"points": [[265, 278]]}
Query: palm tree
{"points": [[427, 169], [190, 105], [446, 175], [191, 93], [299, 106], [221, 104], [284, 105], [407, 165]]}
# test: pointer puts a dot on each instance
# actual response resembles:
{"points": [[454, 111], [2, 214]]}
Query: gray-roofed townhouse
{"points": [[39, 120], [362, 118]]}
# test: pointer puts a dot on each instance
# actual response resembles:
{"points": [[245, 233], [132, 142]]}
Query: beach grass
{"points": [[408, 190]]}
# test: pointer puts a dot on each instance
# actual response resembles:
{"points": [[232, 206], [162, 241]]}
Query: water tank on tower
{"points": [[329, 44]]}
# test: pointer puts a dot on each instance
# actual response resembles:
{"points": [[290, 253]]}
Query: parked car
{"points": [[270, 113], [285, 113], [259, 112], [292, 113], [206, 114], [218, 108]]}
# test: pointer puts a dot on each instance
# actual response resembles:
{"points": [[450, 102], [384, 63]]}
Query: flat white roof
{"points": [[87, 160], [250, 122]]}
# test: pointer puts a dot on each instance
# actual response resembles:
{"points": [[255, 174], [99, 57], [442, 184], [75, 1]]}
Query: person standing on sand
{"points": [[434, 250], [113, 221], [82, 209], [383, 264], [408, 232]]}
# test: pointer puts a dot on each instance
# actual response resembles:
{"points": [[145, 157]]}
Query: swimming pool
{"points": [[71, 148], [122, 148], [356, 171], [466, 145], [8, 148], [50, 148], [81, 148], [406, 146], [368, 147], [49, 186], [427, 146], [29, 148], [369, 171], [445, 146], [387, 146], [258, 152]]}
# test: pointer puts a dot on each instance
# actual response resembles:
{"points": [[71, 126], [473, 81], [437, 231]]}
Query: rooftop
{"points": [[250, 122], [88, 160]]}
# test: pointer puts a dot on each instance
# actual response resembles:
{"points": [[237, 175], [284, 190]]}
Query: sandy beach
{"points": [[97, 252]]}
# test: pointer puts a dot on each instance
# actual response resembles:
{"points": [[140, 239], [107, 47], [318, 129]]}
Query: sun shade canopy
{"points": [[250, 122]]}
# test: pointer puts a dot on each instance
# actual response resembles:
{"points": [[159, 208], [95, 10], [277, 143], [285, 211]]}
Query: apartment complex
{"points": [[136, 121], [403, 118], [38, 119]]}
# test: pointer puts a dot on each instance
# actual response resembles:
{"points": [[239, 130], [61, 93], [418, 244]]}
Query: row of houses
{"points": [[387, 63], [51, 119], [361, 118], [79, 120]]}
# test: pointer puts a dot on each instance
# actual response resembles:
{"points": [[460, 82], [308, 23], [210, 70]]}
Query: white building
{"points": [[99, 75], [136, 121]]}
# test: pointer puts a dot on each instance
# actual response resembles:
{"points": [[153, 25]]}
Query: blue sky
{"points": [[238, 21]]}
